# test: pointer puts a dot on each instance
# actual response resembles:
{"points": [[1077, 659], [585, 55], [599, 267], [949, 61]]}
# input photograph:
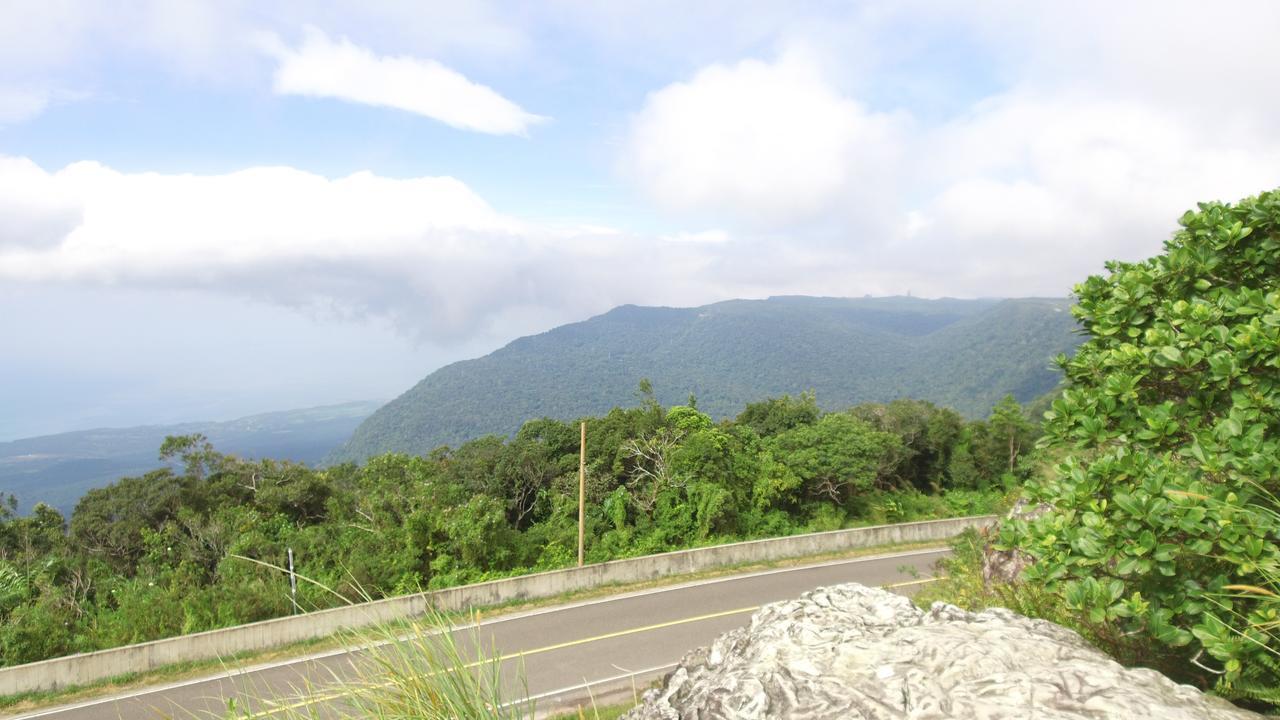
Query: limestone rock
{"points": [[1006, 566], [851, 651]]}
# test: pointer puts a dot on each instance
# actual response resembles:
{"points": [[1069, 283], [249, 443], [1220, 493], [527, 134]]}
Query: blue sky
{"points": [[209, 209]]}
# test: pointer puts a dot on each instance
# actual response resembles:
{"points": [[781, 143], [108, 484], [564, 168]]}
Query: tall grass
{"points": [[434, 670], [427, 669], [1250, 611]]}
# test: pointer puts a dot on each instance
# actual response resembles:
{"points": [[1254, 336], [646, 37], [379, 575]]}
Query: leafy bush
{"points": [[961, 584], [1168, 427]]}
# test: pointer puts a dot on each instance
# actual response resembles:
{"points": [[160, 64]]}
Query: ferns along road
{"points": [[566, 653]]}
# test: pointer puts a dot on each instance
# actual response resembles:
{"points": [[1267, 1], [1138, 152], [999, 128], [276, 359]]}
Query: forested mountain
{"points": [[58, 469], [964, 354]]}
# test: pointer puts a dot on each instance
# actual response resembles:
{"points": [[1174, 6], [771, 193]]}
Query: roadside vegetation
{"points": [[201, 543], [1160, 545], [434, 671]]}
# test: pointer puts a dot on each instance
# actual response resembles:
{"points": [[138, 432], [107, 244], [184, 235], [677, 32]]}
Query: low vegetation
{"points": [[434, 669], [201, 544]]}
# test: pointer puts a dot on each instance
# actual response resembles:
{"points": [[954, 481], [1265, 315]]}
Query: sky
{"points": [[212, 209]]}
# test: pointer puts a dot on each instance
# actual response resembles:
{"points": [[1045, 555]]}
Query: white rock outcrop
{"points": [[851, 651]]}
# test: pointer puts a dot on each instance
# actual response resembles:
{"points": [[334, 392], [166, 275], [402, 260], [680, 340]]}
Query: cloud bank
{"points": [[427, 253]]}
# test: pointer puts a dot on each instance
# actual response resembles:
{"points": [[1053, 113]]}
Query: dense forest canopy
{"points": [[190, 547], [961, 354]]}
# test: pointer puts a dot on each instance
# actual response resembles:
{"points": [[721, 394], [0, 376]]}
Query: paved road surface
{"points": [[564, 650]]}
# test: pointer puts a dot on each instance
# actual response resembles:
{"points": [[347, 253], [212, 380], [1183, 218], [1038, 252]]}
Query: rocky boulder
{"points": [[856, 652], [1006, 566]]}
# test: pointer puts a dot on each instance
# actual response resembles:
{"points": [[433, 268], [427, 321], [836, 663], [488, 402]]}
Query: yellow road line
{"points": [[909, 583], [522, 654], [558, 646]]}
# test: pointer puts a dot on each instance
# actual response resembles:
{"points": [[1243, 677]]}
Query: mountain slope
{"points": [[966, 354], [58, 469]]}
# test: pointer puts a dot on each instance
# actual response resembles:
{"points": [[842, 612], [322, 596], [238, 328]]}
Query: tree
{"points": [[838, 456], [645, 394], [688, 419], [651, 470], [1170, 426], [199, 459], [929, 436], [540, 452], [1010, 425], [707, 469], [775, 415]]}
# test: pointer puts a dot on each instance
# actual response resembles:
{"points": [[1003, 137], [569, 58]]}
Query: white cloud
{"points": [[703, 236], [425, 253], [35, 211], [769, 141], [321, 67], [18, 105], [1073, 157], [67, 43], [1033, 193], [44, 34]]}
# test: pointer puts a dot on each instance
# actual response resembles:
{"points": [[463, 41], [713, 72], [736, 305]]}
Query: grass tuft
{"points": [[435, 671]]}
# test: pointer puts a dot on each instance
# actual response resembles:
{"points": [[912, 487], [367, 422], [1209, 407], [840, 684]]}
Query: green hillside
{"points": [[58, 469], [965, 354]]}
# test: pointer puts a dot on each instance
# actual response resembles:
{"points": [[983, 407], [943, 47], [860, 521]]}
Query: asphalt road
{"points": [[565, 653]]}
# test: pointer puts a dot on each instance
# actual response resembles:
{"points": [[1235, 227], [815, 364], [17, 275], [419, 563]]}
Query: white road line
{"points": [[589, 685], [231, 674]]}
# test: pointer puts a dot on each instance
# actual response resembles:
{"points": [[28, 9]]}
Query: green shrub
{"points": [[1168, 432], [961, 584]]}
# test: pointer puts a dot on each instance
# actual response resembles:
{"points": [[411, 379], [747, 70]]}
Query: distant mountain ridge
{"points": [[58, 469], [965, 354]]}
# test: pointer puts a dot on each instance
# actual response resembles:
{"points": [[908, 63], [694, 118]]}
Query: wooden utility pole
{"points": [[293, 582], [582, 491]]}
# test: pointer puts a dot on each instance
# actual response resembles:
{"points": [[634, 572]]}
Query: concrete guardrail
{"points": [[90, 667]]}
